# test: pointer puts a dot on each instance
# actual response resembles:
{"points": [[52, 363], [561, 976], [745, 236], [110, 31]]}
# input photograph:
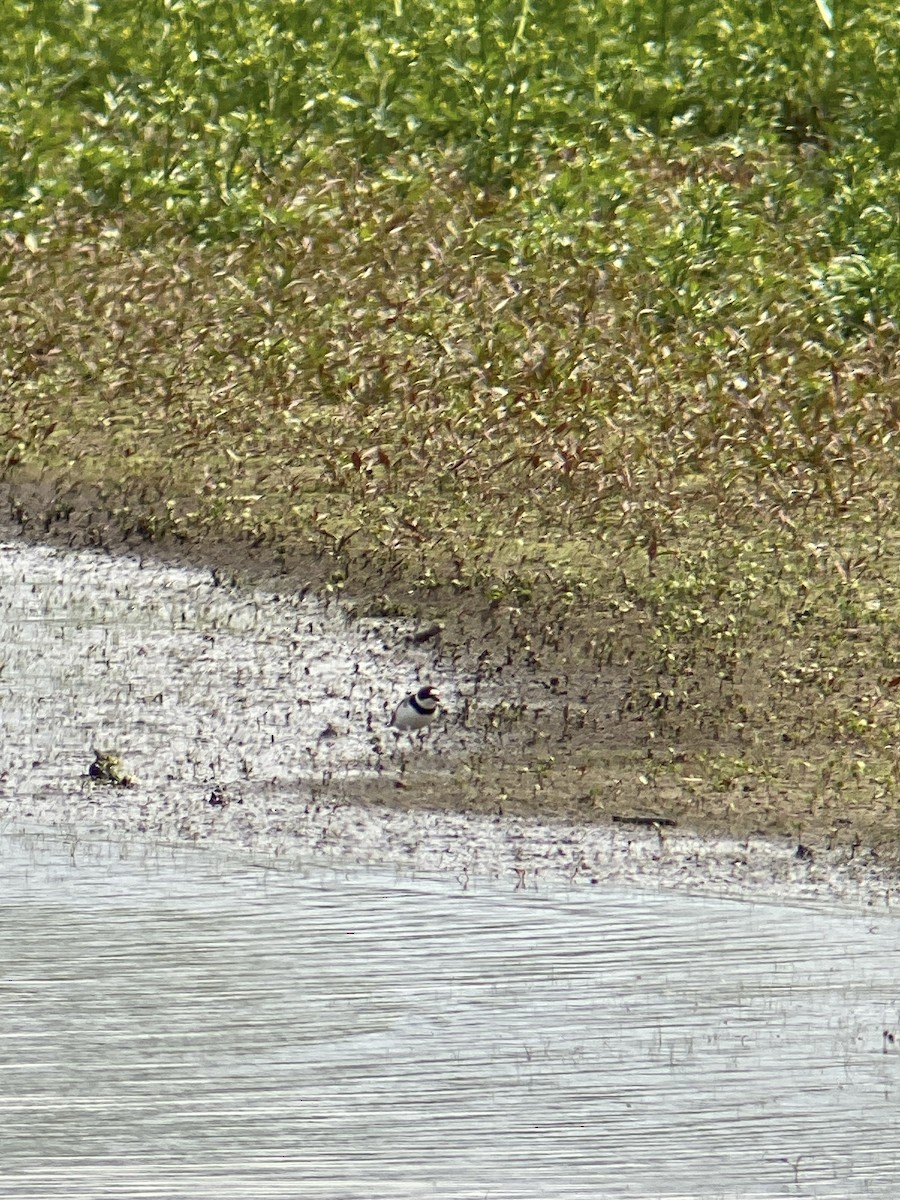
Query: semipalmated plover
{"points": [[417, 710]]}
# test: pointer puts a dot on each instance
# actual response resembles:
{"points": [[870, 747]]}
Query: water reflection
{"points": [[178, 1026]]}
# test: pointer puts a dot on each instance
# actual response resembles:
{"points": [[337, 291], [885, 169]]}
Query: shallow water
{"points": [[175, 1024]]}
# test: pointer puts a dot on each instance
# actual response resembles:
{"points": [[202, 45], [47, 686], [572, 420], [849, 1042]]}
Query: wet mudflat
{"points": [[258, 721], [177, 1024], [195, 682]]}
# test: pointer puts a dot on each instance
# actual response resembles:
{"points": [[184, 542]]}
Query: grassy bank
{"points": [[588, 319]]}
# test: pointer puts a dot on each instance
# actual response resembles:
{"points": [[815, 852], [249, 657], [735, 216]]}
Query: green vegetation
{"points": [[585, 311]]}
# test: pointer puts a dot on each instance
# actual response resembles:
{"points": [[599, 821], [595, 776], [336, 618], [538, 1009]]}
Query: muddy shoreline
{"points": [[505, 797], [340, 833]]}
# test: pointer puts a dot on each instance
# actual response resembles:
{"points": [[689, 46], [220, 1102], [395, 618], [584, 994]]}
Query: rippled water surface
{"points": [[175, 1025]]}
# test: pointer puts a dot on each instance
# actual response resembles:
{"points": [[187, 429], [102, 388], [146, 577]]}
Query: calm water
{"points": [[175, 1025]]}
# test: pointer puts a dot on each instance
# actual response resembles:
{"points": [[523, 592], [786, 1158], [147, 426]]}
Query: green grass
{"points": [[196, 105], [586, 313]]}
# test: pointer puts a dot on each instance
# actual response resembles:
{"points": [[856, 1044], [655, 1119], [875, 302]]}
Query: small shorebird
{"points": [[417, 710]]}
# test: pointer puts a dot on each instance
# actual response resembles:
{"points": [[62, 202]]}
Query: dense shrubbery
{"points": [[204, 114]]}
